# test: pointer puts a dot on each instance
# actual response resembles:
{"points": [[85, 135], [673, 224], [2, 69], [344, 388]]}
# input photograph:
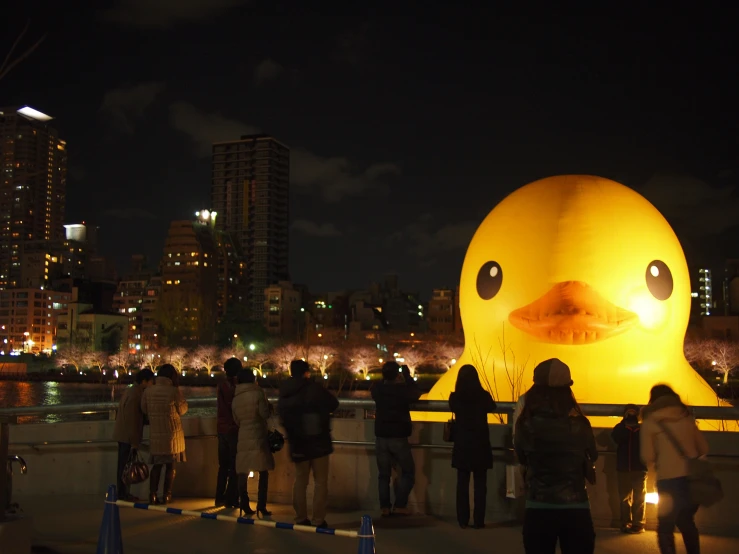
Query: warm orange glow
{"points": [[586, 270]]}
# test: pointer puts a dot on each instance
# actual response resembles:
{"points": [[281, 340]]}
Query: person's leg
{"points": [[223, 469], [300, 503], [244, 508], [624, 496], [154, 477], [262, 494], [463, 497], [124, 451], [540, 531], [232, 489], [168, 482], [685, 518], [384, 471], [639, 506], [666, 515], [576, 532], [320, 489], [402, 454], [481, 497]]}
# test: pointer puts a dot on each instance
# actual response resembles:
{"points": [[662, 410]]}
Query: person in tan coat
{"points": [[164, 405], [251, 413], [666, 415], [129, 427]]}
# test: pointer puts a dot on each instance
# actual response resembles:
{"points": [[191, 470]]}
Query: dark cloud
{"points": [[166, 13], [126, 105], [129, 213], [425, 240], [267, 70], [206, 128], [691, 204], [353, 46], [316, 229]]}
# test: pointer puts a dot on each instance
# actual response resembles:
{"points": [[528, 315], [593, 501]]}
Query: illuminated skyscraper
{"points": [[250, 193], [32, 186]]}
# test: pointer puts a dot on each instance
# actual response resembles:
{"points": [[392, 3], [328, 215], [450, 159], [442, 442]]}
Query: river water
{"points": [[21, 393]]}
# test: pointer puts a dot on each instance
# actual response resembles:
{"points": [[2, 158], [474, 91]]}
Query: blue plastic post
{"points": [[366, 536], [110, 540]]}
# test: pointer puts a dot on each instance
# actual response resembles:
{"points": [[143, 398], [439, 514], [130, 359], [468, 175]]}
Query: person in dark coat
{"points": [[227, 490], [632, 473], [305, 408], [393, 398], [472, 455]]}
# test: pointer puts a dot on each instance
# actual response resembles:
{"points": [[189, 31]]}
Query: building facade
{"points": [[32, 187], [136, 297], [250, 193], [443, 316], [29, 319], [282, 311]]}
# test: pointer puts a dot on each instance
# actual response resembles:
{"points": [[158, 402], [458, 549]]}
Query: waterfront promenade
{"points": [[70, 524]]}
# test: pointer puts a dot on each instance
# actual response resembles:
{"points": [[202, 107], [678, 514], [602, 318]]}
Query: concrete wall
{"points": [[90, 468]]}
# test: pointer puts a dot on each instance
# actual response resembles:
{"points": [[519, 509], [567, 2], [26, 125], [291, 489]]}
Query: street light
{"points": [[252, 347], [454, 361]]}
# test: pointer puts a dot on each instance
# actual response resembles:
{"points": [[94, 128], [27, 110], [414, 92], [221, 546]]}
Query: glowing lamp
{"points": [[652, 498], [586, 270]]}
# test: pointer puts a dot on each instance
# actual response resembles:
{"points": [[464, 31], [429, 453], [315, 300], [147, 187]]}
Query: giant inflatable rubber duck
{"points": [[583, 269]]}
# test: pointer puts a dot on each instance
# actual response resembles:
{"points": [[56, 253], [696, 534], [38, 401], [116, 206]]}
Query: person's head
{"points": [[299, 369], [145, 377], [551, 392], [553, 373], [468, 381], [232, 367], [631, 412], [664, 391], [390, 370], [168, 371], [246, 376]]}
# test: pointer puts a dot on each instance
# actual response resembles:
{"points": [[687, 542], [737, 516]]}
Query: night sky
{"points": [[404, 131]]}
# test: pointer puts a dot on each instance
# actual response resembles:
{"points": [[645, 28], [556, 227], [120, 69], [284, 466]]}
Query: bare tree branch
{"points": [[9, 63]]}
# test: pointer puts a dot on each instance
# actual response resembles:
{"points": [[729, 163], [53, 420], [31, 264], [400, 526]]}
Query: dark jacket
{"points": [[628, 452], [305, 409], [471, 450], [225, 423], [393, 400], [553, 450]]}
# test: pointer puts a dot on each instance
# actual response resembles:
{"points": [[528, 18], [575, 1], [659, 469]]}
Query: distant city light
{"points": [[252, 347]]}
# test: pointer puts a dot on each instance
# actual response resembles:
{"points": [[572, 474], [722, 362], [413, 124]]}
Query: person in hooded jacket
{"points": [[227, 489], [251, 412], [665, 414], [632, 473], [393, 398], [471, 455], [305, 409], [555, 443]]}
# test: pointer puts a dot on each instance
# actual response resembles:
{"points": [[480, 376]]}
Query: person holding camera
{"points": [[393, 398], [632, 473]]}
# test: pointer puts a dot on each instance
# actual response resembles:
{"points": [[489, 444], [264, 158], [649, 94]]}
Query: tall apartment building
{"points": [[32, 186], [136, 297], [443, 312], [188, 305], [250, 193], [73, 256], [28, 319], [281, 307]]}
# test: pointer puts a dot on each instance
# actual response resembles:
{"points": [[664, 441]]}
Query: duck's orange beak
{"points": [[572, 312]]}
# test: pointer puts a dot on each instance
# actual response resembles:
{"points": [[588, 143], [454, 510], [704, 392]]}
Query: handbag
{"points": [[705, 487], [135, 471], [449, 430], [276, 440]]}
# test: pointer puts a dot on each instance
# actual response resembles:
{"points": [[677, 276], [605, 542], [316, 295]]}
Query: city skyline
{"points": [[392, 170]]}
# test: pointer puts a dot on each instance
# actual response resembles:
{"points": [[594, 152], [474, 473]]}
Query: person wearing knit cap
{"points": [[632, 473], [555, 443]]}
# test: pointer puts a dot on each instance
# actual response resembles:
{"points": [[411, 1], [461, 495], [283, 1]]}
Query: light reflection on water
{"points": [[19, 393]]}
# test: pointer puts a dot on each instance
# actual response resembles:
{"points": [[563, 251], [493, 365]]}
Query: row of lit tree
{"points": [[436, 355]]}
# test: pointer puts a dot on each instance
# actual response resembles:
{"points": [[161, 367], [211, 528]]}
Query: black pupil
{"points": [[659, 280], [489, 280]]}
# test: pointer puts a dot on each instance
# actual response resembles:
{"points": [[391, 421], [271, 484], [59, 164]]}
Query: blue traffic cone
{"points": [[110, 540], [366, 536]]}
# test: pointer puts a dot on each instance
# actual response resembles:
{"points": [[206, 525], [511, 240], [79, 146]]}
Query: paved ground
{"points": [[69, 525]]}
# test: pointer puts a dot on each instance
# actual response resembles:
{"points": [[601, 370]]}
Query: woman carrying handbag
{"points": [[472, 455]]}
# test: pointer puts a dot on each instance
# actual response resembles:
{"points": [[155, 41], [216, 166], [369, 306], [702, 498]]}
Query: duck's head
{"points": [[576, 267]]}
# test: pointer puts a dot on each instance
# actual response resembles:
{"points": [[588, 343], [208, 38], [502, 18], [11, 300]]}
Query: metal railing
{"points": [[595, 410]]}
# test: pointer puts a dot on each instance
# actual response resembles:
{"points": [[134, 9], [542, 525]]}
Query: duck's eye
{"points": [[659, 280], [489, 280]]}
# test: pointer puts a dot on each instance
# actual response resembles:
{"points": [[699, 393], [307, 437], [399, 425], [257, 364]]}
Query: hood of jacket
{"points": [[666, 407], [241, 388], [293, 386], [164, 381]]}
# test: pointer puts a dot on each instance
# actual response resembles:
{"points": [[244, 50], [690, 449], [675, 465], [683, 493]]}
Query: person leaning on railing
{"points": [[129, 426], [164, 405]]}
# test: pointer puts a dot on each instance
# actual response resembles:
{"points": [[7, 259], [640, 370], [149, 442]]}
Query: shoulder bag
{"points": [[135, 471], [449, 430], [705, 488]]}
